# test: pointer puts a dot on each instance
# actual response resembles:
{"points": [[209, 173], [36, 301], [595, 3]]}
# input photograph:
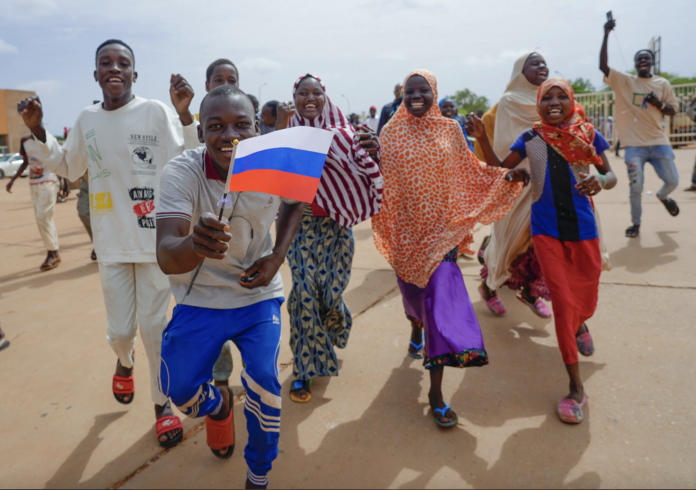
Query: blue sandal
{"points": [[443, 411], [418, 348], [301, 385]]}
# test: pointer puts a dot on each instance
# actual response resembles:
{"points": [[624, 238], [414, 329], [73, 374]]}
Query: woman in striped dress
{"points": [[321, 255]]}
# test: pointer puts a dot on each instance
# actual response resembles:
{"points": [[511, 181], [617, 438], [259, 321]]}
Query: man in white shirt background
{"points": [[124, 143], [372, 121]]}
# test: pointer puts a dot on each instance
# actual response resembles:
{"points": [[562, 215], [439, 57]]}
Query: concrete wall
{"points": [[11, 123]]}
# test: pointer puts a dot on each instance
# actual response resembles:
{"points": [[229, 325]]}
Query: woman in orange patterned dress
{"points": [[435, 191]]}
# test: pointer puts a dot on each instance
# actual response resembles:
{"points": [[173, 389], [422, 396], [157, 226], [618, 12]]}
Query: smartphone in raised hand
{"points": [[22, 104], [610, 16]]}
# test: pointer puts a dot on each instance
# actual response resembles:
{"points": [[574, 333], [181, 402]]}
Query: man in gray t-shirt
{"points": [[237, 293]]}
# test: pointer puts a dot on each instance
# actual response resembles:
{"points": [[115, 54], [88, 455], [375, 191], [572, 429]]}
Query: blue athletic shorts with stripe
{"points": [[191, 344]]}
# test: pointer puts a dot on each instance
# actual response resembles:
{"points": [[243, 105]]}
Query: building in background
{"points": [[12, 126]]}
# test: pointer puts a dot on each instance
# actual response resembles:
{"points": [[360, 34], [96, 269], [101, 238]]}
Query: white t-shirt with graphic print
{"points": [[124, 151]]}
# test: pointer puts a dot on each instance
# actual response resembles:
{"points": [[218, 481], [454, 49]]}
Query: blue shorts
{"points": [[191, 344]]}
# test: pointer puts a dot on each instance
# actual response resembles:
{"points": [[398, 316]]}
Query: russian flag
{"points": [[286, 163]]}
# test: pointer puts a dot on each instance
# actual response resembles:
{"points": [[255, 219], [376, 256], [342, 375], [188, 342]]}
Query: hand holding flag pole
{"points": [[223, 204]]}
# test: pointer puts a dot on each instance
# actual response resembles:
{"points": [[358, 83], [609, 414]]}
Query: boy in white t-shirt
{"points": [[43, 186], [237, 292], [641, 101], [125, 143]]}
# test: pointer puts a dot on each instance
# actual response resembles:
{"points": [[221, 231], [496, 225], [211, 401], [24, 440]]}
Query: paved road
{"points": [[370, 427]]}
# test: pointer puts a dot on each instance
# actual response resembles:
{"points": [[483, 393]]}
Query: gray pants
{"points": [[83, 206], [222, 369]]}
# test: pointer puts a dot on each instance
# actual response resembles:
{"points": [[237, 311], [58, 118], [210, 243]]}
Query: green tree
{"points": [[467, 101], [675, 79], [582, 86]]}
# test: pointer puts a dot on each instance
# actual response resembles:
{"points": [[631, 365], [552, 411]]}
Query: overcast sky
{"points": [[360, 48]]}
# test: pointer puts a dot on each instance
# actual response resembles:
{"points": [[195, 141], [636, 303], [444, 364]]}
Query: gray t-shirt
{"points": [[189, 187]]}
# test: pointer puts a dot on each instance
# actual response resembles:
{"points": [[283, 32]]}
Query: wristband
{"points": [[604, 180]]}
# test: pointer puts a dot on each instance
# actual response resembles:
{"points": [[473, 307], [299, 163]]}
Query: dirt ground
{"points": [[370, 427]]}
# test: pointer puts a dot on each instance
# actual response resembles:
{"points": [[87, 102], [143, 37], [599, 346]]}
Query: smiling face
{"points": [[535, 69], [373, 112], [222, 75], [418, 96], [555, 106], [223, 119], [309, 98], [644, 63], [115, 71], [448, 109]]}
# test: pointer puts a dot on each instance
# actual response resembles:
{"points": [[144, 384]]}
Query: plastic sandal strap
{"points": [[297, 385], [417, 346], [442, 411], [168, 424]]}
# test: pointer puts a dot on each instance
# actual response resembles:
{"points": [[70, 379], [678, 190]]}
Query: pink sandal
{"points": [[570, 411], [539, 308], [495, 304]]}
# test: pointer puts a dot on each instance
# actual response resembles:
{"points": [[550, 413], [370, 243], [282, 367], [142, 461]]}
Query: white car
{"points": [[10, 163]]}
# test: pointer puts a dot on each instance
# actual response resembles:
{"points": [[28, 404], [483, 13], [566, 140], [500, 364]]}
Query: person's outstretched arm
{"points": [[476, 128], [25, 164], [70, 160], [603, 55]]}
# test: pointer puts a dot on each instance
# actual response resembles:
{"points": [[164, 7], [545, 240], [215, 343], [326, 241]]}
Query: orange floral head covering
{"points": [[435, 191], [573, 139]]}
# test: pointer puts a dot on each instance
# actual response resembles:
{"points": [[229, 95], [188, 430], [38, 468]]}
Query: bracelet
{"points": [[604, 180]]}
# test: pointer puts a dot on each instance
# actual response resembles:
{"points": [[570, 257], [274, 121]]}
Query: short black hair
{"points": [[652, 55], [113, 41], [273, 104], [253, 98], [221, 61], [224, 91]]}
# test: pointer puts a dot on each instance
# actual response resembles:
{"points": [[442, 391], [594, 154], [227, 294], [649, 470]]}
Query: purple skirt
{"points": [[452, 332]]}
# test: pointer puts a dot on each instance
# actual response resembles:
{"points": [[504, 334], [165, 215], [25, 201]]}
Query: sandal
{"points": [[494, 304], [481, 251], [539, 308], [301, 385], [632, 231], [166, 424], [443, 411], [123, 386], [419, 348], [4, 345], [47, 266], [671, 206], [570, 411], [220, 433], [93, 255], [585, 343]]}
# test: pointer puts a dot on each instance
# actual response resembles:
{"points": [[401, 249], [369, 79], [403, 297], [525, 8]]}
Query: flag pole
{"points": [[223, 203]]}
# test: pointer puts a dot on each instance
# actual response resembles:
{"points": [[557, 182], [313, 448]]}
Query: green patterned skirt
{"points": [[320, 257]]}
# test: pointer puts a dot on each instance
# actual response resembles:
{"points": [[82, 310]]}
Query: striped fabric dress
{"points": [[321, 255]]}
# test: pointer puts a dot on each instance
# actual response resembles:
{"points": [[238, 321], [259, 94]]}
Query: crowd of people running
{"points": [[153, 178]]}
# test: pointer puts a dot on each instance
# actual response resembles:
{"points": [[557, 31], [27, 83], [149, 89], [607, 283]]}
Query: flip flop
{"points": [[418, 348], [122, 385], [299, 385], [5, 345], [570, 411], [166, 424], [495, 304], [443, 411], [93, 255], [539, 308], [220, 433], [47, 267]]}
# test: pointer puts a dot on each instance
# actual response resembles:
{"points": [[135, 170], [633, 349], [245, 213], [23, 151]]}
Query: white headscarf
{"points": [[517, 109]]}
